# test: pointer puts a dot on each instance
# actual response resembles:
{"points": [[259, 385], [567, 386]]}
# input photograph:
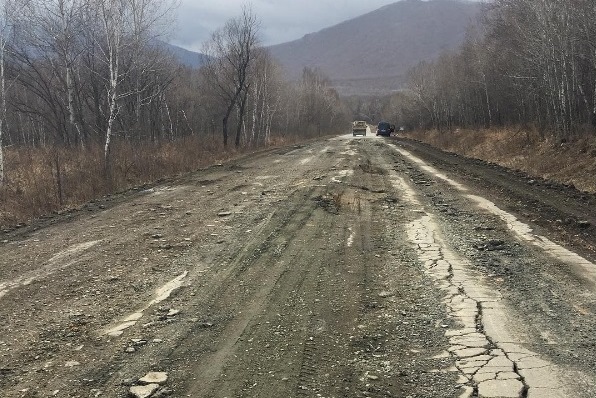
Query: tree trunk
{"points": [[225, 125], [241, 117], [3, 108]]}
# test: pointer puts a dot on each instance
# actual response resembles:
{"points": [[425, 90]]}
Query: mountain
{"points": [[375, 50], [185, 57]]}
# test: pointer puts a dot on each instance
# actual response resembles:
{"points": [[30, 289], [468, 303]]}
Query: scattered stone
{"points": [[491, 245], [96, 392], [128, 382], [157, 236], [154, 378], [130, 350], [173, 312], [138, 342], [71, 364], [583, 224], [143, 391], [224, 213], [385, 294], [163, 392]]}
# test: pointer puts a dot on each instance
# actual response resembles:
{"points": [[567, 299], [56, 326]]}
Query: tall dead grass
{"points": [[40, 181], [572, 162]]}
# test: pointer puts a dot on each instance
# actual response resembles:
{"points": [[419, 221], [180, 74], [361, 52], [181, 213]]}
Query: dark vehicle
{"points": [[385, 129]]}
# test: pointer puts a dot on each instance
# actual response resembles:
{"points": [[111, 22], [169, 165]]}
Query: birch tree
{"points": [[263, 98], [5, 23], [10, 13], [125, 27]]}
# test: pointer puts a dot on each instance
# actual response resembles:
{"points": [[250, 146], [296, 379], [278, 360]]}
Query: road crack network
{"points": [[491, 362]]}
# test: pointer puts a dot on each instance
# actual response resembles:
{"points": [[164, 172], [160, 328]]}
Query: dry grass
{"points": [[41, 181], [573, 162]]}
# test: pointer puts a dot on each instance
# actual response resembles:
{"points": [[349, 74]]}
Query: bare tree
{"points": [[10, 12], [124, 31], [231, 53], [263, 98], [5, 23], [532, 62]]}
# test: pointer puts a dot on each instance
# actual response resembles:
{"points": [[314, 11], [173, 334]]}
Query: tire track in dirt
{"points": [[263, 238], [252, 276]]}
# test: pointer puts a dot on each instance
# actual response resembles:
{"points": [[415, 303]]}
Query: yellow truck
{"points": [[359, 127]]}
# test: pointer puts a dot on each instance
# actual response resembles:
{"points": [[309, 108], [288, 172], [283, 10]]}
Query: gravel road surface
{"points": [[344, 267]]}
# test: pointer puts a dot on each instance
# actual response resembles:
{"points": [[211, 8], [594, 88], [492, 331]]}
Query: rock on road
{"points": [[345, 267]]}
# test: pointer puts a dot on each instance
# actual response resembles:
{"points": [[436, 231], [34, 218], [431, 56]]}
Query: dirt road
{"points": [[347, 267]]}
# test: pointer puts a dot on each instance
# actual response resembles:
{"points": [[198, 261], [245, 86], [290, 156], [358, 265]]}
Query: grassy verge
{"points": [[572, 162], [42, 181]]}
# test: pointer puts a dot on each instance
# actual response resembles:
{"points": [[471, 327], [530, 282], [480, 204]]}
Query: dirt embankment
{"points": [[572, 162]]}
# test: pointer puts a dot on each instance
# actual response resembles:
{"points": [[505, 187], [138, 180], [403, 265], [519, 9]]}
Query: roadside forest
{"points": [[529, 63], [92, 103]]}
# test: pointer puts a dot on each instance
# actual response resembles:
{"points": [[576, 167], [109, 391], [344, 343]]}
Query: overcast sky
{"points": [[281, 20]]}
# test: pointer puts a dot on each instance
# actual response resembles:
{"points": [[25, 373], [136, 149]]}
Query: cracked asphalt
{"points": [[344, 267]]}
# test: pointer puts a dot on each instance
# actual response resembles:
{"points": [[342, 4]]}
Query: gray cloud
{"points": [[281, 20]]}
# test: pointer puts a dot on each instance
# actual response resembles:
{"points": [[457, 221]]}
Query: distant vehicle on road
{"points": [[385, 129], [359, 127]]}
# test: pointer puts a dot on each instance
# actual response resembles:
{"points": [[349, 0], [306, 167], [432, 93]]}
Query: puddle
{"points": [[159, 190], [164, 292], [72, 250], [431, 170]]}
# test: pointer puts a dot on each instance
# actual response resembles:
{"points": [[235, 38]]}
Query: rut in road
{"points": [[306, 317], [301, 295]]}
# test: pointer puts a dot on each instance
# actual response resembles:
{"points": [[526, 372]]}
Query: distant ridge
{"points": [[185, 57], [384, 43]]}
